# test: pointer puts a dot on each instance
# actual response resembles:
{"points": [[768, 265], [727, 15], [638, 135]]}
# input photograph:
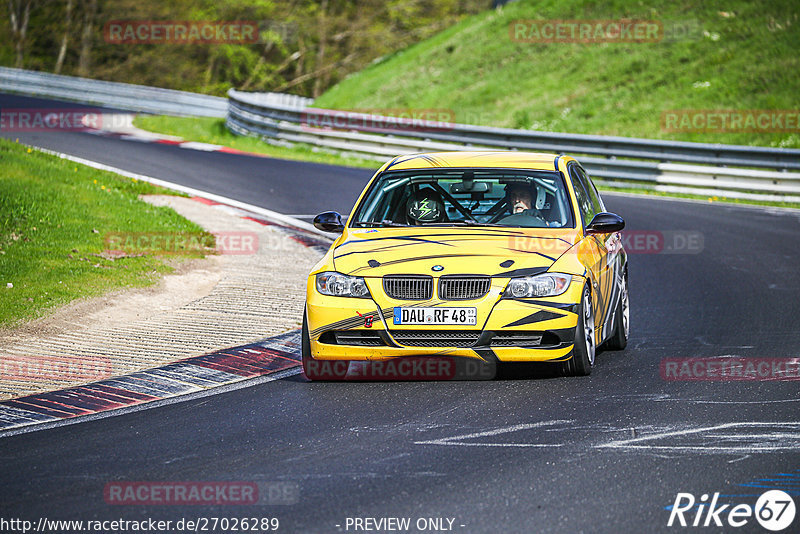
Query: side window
{"points": [[584, 201], [594, 196]]}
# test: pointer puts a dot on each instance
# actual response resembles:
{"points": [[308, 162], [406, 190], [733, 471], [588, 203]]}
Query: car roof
{"points": [[467, 159]]}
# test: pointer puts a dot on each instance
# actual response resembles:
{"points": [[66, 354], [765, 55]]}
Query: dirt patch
{"points": [[242, 295], [191, 280]]}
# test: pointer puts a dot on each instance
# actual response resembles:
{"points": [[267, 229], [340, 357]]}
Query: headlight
{"points": [[341, 285], [542, 285]]}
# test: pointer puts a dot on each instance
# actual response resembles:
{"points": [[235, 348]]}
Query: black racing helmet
{"points": [[425, 206]]}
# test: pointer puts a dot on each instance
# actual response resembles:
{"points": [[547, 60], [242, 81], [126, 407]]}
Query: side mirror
{"points": [[330, 221], [605, 223]]}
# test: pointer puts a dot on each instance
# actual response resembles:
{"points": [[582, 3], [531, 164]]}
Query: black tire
{"points": [[319, 369], [584, 350], [305, 347], [619, 339]]}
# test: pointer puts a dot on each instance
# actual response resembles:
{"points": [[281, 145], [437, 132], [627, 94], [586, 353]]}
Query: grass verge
{"points": [[54, 216], [736, 55]]}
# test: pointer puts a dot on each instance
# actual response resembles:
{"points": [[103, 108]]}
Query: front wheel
{"points": [[583, 352], [622, 320]]}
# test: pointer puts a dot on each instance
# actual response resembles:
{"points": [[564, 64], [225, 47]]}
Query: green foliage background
{"points": [[305, 46], [738, 55]]}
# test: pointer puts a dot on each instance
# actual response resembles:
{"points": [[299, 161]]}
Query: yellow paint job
{"points": [[459, 250]]}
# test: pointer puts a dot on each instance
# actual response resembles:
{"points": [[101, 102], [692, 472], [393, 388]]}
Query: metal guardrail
{"points": [[676, 167], [123, 96], [754, 173]]}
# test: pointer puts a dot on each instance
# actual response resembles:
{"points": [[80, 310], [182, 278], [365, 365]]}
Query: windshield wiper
{"points": [[470, 222], [476, 223], [382, 224]]}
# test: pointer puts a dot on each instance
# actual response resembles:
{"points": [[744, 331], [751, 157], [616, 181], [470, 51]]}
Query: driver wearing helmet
{"points": [[425, 206], [520, 201]]}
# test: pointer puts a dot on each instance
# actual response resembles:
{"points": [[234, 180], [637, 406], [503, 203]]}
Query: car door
{"points": [[614, 264], [595, 248]]}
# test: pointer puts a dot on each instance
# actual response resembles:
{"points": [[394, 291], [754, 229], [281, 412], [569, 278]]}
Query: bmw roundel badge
{"points": [[437, 268]]}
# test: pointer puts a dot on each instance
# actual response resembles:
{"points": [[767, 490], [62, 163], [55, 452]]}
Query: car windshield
{"points": [[466, 197]]}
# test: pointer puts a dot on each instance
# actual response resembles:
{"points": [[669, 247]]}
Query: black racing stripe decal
{"points": [[394, 162], [570, 307], [541, 315], [537, 238], [420, 239], [429, 160], [385, 248], [334, 326], [419, 258], [527, 271], [469, 233], [398, 161], [486, 354], [344, 324], [531, 252], [433, 161], [556, 347], [416, 241], [455, 238], [405, 260], [563, 358]]}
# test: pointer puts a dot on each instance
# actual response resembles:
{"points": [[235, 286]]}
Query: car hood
{"points": [[472, 250]]}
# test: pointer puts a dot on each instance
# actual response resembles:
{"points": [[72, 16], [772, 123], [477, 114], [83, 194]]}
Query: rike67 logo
{"points": [[774, 510]]}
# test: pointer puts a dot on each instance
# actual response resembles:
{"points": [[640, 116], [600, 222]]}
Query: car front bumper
{"points": [[342, 328]]}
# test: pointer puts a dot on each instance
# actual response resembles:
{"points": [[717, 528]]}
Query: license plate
{"points": [[443, 316]]}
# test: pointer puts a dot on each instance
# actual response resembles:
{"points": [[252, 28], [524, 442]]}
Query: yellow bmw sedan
{"points": [[491, 256]]}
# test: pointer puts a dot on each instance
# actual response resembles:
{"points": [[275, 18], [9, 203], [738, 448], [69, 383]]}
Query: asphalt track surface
{"points": [[536, 454]]}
